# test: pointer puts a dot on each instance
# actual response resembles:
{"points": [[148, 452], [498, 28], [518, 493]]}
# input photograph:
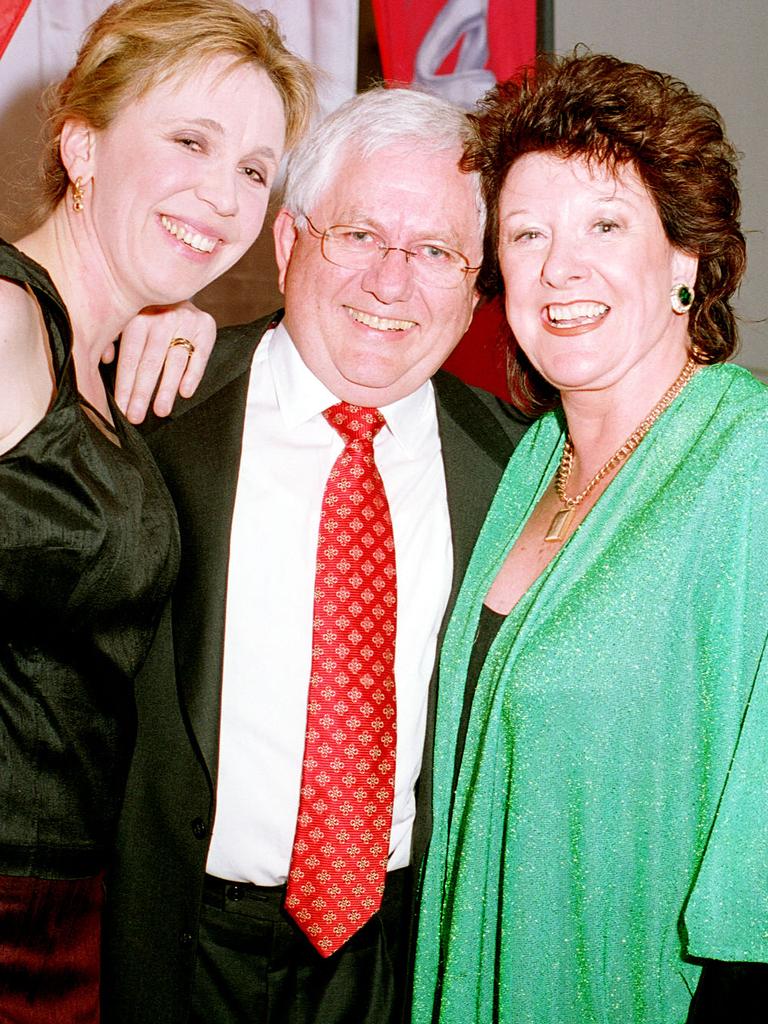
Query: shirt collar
{"points": [[301, 396]]}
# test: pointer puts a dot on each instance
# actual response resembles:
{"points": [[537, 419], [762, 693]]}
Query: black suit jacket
{"points": [[154, 889]]}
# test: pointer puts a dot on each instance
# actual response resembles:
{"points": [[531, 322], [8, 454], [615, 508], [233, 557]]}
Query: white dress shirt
{"points": [[288, 450]]}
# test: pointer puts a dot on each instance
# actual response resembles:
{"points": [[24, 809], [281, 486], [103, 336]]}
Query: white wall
{"points": [[718, 49]]}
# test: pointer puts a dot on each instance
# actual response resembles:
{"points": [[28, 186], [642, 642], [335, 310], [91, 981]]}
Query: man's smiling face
{"points": [[374, 336]]}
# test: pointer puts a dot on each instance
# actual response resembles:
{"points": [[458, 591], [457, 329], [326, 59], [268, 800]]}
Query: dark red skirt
{"points": [[50, 936]]}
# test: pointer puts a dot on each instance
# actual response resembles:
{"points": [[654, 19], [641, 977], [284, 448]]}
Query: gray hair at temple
{"points": [[366, 124]]}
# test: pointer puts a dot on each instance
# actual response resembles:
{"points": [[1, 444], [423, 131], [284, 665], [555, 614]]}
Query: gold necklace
{"points": [[562, 520]]}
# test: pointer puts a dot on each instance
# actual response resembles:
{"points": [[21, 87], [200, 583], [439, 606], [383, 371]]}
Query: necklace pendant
{"points": [[559, 525]]}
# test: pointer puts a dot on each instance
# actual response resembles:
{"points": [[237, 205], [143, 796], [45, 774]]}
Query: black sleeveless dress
{"points": [[88, 554]]}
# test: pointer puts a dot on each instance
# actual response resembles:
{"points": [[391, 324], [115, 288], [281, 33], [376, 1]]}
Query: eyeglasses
{"points": [[359, 248]]}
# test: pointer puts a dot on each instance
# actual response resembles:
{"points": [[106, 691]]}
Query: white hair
{"points": [[364, 125]]}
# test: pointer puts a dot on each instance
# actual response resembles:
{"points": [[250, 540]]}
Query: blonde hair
{"points": [[136, 44]]}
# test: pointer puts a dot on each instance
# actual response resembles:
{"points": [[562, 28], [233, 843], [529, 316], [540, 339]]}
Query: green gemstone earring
{"points": [[681, 298]]}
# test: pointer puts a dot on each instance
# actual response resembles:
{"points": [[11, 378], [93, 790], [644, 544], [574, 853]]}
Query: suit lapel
{"points": [[476, 449], [198, 451], [475, 453]]}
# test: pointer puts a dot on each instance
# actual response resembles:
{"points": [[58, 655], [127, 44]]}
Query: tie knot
{"points": [[354, 422]]}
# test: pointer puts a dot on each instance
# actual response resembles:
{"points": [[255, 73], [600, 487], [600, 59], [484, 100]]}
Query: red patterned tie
{"points": [[339, 861]]}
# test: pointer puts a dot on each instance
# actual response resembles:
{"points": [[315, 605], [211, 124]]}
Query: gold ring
{"points": [[184, 342]]}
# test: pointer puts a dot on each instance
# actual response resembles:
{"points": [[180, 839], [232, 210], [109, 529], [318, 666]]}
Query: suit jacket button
{"points": [[199, 828], [186, 939]]}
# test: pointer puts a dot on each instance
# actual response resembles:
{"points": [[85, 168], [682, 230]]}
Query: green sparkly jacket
{"points": [[610, 824]]}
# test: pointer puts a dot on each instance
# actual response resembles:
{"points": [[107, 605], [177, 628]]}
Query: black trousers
{"points": [[255, 966]]}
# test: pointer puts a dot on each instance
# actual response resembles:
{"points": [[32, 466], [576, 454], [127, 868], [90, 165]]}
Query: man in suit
{"points": [[377, 245]]}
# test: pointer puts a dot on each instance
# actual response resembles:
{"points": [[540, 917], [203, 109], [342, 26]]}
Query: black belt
{"points": [[245, 897], [218, 891]]}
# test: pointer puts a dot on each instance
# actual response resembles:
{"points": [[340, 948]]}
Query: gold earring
{"points": [[77, 195]]}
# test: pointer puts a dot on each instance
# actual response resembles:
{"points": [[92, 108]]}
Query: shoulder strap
{"points": [[15, 266]]}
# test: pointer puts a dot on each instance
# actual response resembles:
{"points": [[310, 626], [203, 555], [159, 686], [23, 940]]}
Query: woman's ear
{"points": [[77, 149], [685, 266]]}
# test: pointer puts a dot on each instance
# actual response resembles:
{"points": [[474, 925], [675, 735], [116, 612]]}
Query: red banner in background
{"points": [[457, 49], [437, 43], [11, 13]]}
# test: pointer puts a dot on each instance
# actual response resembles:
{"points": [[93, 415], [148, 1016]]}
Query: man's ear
{"points": [[77, 149], [285, 232]]}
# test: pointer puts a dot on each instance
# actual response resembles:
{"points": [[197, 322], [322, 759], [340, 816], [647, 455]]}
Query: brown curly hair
{"points": [[135, 44], [611, 112]]}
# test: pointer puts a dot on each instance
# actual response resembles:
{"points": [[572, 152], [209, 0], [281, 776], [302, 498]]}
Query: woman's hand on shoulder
{"points": [[169, 344], [26, 373]]}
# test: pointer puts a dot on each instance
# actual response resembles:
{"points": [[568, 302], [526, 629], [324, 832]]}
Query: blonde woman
{"points": [[166, 137]]}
